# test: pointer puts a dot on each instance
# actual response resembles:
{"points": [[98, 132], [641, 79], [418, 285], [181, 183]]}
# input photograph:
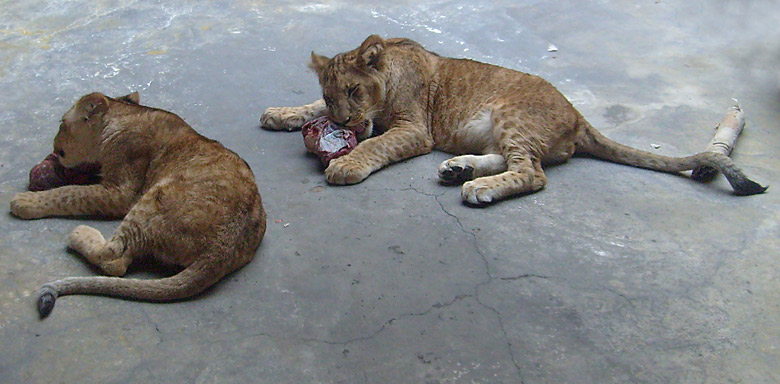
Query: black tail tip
{"points": [[46, 299], [748, 187]]}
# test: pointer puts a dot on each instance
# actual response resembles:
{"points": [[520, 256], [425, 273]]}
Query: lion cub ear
{"points": [[318, 62], [133, 98], [370, 51], [93, 104]]}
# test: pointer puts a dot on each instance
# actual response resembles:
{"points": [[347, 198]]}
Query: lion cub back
{"points": [[205, 196]]}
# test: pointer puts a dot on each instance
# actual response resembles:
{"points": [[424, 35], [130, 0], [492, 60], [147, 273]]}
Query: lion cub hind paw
{"points": [[450, 172], [477, 194], [83, 239], [281, 119]]}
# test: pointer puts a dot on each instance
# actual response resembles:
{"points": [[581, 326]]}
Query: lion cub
{"points": [[186, 201], [506, 124]]}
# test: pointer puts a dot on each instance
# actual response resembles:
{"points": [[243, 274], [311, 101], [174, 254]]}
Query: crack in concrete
{"points": [[503, 330], [152, 323], [460, 224], [244, 337], [524, 276], [488, 281], [622, 296], [344, 343], [411, 188], [349, 341], [438, 305]]}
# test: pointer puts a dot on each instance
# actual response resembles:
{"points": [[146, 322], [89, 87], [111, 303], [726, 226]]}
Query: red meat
{"points": [[49, 174], [327, 140]]}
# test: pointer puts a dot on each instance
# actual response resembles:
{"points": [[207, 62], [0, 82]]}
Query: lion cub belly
{"points": [[474, 135]]}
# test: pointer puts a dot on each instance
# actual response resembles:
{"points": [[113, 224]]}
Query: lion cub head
{"points": [[78, 140], [352, 85]]}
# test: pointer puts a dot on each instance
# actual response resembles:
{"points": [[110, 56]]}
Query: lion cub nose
{"points": [[341, 122]]}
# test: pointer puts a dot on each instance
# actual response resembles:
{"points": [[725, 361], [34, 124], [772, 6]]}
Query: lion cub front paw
{"points": [[342, 171], [281, 119], [27, 205]]}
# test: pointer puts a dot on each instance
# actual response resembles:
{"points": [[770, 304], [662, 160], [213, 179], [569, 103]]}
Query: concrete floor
{"points": [[609, 275]]}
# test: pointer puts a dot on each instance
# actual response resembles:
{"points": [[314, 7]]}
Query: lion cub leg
{"points": [[467, 167], [292, 118], [72, 200], [402, 141], [524, 175], [113, 256], [516, 138]]}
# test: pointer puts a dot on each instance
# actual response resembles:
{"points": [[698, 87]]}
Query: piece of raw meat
{"points": [[49, 174], [327, 140]]}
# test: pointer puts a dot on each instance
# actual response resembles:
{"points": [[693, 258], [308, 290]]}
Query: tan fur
{"points": [[186, 201], [421, 101]]}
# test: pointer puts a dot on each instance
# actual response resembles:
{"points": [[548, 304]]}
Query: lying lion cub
{"points": [[186, 201], [506, 124]]}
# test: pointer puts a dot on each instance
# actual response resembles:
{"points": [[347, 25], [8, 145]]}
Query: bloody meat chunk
{"points": [[49, 174], [327, 140]]}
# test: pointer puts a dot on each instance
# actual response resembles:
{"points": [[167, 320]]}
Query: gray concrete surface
{"points": [[609, 275]]}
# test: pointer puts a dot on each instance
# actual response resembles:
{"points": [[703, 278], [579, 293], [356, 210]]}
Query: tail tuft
{"points": [[46, 298], [741, 184], [747, 187]]}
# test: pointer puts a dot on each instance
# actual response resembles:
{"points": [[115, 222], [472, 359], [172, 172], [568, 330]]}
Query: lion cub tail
{"points": [[597, 145], [189, 282]]}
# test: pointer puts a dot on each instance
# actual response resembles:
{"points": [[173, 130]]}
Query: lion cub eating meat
{"points": [[186, 201], [505, 124]]}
